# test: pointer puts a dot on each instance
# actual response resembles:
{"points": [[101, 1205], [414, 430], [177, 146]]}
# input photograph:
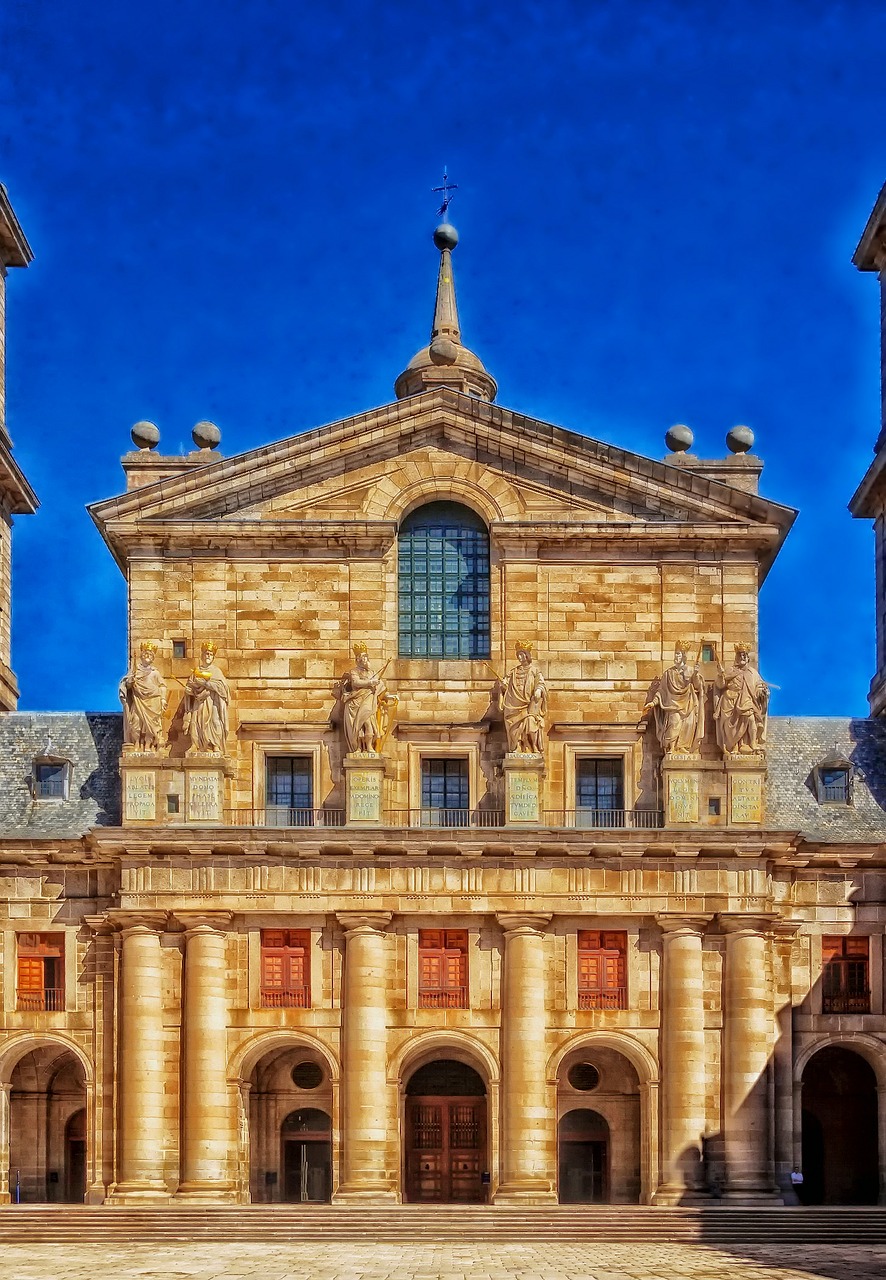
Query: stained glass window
{"points": [[443, 583]]}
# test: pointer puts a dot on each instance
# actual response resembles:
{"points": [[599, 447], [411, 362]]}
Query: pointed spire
{"points": [[445, 362]]}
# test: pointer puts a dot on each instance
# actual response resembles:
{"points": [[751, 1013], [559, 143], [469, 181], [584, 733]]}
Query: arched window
{"points": [[443, 583]]}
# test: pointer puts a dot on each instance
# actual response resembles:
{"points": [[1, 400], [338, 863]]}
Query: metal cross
{"points": [[447, 189]]}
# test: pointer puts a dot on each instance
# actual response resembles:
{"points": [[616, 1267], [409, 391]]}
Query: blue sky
{"points": [[230, 209]]}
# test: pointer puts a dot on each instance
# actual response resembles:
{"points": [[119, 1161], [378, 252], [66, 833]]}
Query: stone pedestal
{"points": [[364, 789], [529, 1146], [142, 1098], [523, 774], [208, 1111], [158, 789], [368, 1121], [747, 1048], [684, 1077]]}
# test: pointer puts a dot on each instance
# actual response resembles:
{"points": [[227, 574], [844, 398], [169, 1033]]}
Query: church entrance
{"points": [[583, 1158], [47, 1128], [306, 1158], [839, 1129], [445, 1135]]}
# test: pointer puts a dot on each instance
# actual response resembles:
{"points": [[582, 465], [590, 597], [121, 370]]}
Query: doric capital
{"points": [[357, 922], [675, 925], [522, 922], [204, 921], [100, 925], [735, 924], [130, 922]]}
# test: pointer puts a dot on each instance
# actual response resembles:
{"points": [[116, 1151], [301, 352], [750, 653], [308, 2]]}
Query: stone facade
{"points": [[256, 956]]}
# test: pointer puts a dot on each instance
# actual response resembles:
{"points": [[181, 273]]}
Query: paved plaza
{"points": [[481, 1261]]}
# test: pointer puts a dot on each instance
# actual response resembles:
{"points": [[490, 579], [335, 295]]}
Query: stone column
{"points": [[368, 1126], [208, 1113], [529, 1144], [684, 1077], [4, 1144], [142, 1081], [784, 932], [748, 1043]]}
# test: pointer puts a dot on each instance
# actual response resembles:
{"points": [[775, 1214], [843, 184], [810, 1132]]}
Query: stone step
{"points": [[407, 1223]]}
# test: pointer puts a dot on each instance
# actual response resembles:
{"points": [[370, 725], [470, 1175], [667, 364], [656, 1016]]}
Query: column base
{"points": [[525, 1191], [750, 1196], [677, 1193], [206, 1192], [139, 1190], [366, 1195]]}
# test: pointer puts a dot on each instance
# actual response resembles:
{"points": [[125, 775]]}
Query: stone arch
{"points": [[636, 1053], [247, 1056], [443, 1044], [866, 1046], [443, 488], [17, 1048], [267, 1096], [635, 1150]]}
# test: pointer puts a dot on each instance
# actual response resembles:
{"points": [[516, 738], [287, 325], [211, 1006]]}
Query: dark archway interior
{"points": [[583, 1157], [446, 1078], [839, 1129]]}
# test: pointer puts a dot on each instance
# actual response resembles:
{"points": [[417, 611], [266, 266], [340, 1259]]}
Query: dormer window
{"points": [[52, 778], [832, 779]]}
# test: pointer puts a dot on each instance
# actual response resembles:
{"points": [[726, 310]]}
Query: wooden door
{"points": [[445, 1150]]}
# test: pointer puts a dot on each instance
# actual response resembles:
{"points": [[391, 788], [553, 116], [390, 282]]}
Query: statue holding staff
{"points": [[367, 706], [206, 706], [144, 696], [741, 702], [523, 699], [678, 705]]}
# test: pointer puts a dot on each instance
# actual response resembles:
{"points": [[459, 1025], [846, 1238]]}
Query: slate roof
{"points": [[796, 745], [92, 743]]}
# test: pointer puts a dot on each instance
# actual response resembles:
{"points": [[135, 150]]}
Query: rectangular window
{"points": [[41, 972], [443, 969], [845, 975], [51, 780], [289, 791], [286, 968], [602, 969], [179, 649], [599, 792], [445, 791]]}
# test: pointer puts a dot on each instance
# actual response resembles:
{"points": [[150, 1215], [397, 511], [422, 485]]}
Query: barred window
{"points": [[443, 583], [845, 975], [602, 969], [285, 969], [443, 969]]}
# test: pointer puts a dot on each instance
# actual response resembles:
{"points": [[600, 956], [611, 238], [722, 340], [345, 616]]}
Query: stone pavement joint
{"points": [[484, 1260]]}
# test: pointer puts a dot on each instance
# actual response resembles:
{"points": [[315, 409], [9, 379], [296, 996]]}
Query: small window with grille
{"points": [[845, 975], [832, 779], [602, 969], [286, 968], [41, 972], [51, 779], [443, 969], [445, 791]]}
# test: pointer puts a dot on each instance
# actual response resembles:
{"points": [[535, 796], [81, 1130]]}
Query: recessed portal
{"points": [[584, 1158], [839, 1129], [306, 1158], [47, 1128], [445, 1134], [290, 1128]]}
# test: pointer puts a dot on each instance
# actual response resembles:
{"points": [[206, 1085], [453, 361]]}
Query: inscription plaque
{"points": [[204, 795], [523, 796], [746, 797], [682, 797], [140, 795], [364, 795]]}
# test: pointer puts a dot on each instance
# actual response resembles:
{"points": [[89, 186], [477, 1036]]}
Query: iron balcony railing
{"points": [[282, 816], [274, 998], [443, 998], [859, 1002], [428, 817], [604, 819], [49, 1000], [610, 998]]}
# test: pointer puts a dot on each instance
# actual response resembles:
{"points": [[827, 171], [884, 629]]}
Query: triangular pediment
{"points": [[372, 467]]}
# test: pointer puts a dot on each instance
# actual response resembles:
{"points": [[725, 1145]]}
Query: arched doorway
{"points": [[306, 1157], [583, 1157], [445, 1134], [598, 1134], [839, 1098], [47, 1127], [290, 1127]]}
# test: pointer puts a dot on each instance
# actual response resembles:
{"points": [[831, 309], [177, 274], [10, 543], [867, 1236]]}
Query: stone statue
{"points": [[523, 698], [144, 696], [206, 706], [741, 700], [678, 705], [367, 706]]}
